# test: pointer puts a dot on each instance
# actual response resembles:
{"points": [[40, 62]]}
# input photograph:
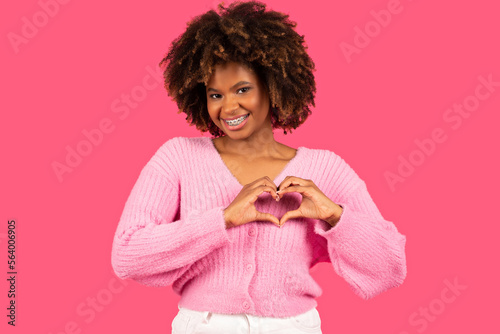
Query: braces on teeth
{"points": [[236, 121]]}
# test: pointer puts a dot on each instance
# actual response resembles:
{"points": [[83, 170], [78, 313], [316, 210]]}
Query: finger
{"points": [[268, 189], [284, 183], [290, 215], [290, 181], [291, 189], [267, 181], [267, 217]]}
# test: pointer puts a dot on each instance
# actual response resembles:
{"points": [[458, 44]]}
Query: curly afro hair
{"points": [[244, 32]]}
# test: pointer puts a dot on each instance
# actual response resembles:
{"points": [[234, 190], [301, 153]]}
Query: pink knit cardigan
{"points": [[172, 231]]}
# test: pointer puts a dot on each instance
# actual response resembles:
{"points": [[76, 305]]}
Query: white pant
{"points": [[195, 322]]}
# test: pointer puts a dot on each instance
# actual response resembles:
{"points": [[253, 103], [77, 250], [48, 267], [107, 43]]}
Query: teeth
{"points": [[236, 121]]}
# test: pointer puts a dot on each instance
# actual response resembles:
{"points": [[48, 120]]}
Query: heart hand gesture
{"points": [[314, 203]]}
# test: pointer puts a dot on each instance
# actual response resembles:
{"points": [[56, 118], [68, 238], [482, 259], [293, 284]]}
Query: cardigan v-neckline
{"points": [[228, 171]]}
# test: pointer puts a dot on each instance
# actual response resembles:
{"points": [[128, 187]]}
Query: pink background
{"points": [[70, 74]]}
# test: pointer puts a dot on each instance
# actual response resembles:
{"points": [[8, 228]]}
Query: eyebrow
{"points": [[236, 85]]}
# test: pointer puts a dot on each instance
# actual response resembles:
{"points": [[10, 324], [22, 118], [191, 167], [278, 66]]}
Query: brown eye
{"points": [[244, 88]]}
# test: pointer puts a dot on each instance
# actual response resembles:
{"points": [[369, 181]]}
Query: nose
{"points": [[230, 105]]}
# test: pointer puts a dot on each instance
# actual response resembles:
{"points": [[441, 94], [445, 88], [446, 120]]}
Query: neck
{"points": [[259, 144]]}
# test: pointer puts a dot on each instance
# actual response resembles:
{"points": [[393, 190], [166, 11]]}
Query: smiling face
{"points": [[234, 91]]}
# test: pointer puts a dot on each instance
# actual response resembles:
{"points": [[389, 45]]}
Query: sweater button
{"points": [[246, 305], [251, 232], [249, 267]]}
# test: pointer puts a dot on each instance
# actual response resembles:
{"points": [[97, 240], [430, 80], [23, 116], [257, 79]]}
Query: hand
{"points": [[314, 203], [242, 209]]}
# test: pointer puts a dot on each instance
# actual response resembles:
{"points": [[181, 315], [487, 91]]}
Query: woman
{"points": [[235, 222]]}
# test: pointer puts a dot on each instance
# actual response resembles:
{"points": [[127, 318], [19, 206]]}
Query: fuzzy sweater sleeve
{"points": [[152, 245], [364, 248]]}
